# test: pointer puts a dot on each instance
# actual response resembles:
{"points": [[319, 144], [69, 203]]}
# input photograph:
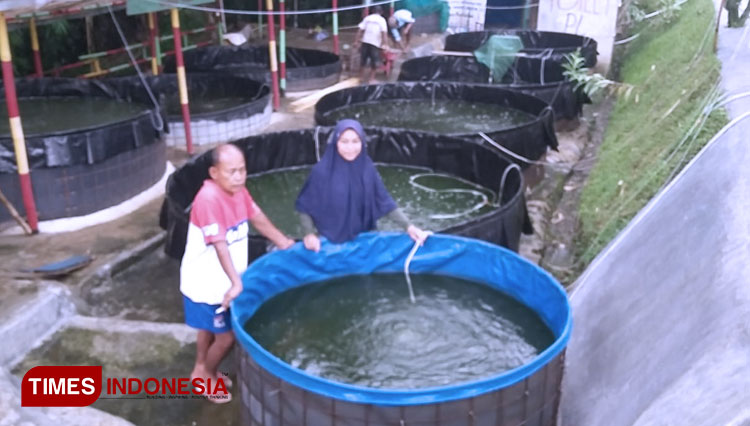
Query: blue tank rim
{"points": [[431, 395]]}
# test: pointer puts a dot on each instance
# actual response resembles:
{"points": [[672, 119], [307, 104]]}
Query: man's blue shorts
{"points": [[202, 316]]}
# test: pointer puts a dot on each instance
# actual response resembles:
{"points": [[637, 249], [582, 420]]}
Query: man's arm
{"points": [[261, 222], [222, 251]]}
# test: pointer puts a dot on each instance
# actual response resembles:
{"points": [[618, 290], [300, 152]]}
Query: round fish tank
{"points": [[306, 69], [521, 123], [532, 76], [276, 392], [88, 148], [223, 108], [542, 44], [484, 190]]}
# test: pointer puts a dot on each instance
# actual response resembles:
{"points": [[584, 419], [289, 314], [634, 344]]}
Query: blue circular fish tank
{"points": [[274, 392]]}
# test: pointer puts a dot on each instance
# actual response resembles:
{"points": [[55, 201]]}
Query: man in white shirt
{"points": [[373, 36], [400, 24]]}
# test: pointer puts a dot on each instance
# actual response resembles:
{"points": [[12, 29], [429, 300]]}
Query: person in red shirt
{"points": [[216, 254]]}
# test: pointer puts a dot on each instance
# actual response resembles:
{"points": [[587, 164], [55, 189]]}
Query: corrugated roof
{"points": [[18, 10]]}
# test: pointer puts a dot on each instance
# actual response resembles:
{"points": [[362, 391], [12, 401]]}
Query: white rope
{"points": [[627, 40], [732, 98], [660, 11], [520, 157], [468, 5], [527, 6], [317, 144], [485, 200], [406, 268], [255, 13], [160, 126]]}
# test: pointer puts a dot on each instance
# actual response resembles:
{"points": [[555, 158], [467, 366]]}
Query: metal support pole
{"points": [[260, 18], [296, 8], [272, 58], [221, 28], [282, 44], [16, 131], [335, 27], [38, 72], [181, 80]]}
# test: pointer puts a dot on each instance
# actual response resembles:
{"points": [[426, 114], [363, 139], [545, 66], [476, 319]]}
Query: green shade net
{"points": [[498, 54], [425, 7]]}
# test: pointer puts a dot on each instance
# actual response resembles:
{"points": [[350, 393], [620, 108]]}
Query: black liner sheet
{"points": [[200, 86], [253, 62], [529, 140], [546, 44], [446, 154], [533, 76], [78, 146]]}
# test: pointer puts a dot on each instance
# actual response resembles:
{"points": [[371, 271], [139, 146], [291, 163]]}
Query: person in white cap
{"points": [[400, 24]]}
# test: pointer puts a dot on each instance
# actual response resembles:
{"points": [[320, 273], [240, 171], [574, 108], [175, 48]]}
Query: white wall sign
{"points": [[594, 18], [466, 15]]}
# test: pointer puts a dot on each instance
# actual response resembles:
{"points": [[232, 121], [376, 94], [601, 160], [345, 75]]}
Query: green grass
{"points": [[673, 76]]}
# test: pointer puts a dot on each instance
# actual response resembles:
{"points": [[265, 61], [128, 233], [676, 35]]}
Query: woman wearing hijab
{"points": [[344, 194]]}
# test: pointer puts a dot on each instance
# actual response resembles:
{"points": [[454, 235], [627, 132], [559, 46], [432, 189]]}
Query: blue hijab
{"points": [[344, 197]]}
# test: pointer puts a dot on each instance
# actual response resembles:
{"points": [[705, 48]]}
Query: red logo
{"points": [[61, 386], [72, 386]]}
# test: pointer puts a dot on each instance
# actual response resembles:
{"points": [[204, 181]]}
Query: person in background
{"points": [[400, 24], [344, 194], [216, 253], [372, 38]]}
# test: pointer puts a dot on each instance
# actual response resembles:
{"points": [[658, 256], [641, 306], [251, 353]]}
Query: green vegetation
{"points": [[652, 135]]}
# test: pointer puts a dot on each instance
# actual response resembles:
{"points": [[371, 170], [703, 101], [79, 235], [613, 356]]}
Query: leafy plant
{"points": [[592, 83]]}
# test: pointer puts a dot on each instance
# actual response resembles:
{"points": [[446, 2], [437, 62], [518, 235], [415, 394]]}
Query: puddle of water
{"points": [[149, 290]]}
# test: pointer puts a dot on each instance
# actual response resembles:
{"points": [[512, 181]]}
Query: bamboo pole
{"points": [[16, 130], [38, 72], [181, 79]]}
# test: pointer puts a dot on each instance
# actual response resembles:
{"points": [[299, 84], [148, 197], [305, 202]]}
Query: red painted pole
{"points": [[181, 79], [38, 72], [16, 130], [272, 57], [335, 27]]}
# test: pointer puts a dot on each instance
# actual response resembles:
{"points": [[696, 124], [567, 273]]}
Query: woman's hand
{"points": [[312, 242], [417, 234]]}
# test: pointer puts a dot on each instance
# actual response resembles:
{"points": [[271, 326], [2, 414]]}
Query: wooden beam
{"points": [[310, 100], [13, 212]]}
